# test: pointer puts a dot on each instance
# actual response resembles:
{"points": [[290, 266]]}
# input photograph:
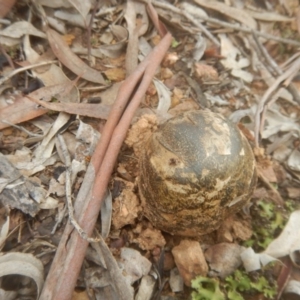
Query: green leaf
{"points": [[206, 289], [234, 295], [263, 286]]}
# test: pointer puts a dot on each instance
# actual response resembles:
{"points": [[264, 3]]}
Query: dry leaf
{"points": [[24, 109], [23, 264], [83, 7], [18, 29], [268, 16], [254, 261], [55, 3], [233, 59], [237, 14], [206, 72], [99, 111], [50, 75], [134, 264], [70, 60]]}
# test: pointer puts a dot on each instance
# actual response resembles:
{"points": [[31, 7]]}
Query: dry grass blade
{"points": [[70, 60]]}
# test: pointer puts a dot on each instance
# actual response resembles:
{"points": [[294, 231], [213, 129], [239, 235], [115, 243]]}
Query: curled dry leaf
{"points": [[70, 60], [23, 264], [164, 96]]}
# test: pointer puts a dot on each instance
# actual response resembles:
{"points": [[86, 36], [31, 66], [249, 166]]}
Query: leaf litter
{"points": [[239, 60]]}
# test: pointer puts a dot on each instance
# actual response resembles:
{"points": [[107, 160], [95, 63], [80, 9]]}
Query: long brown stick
{"points": [[65, 268]]}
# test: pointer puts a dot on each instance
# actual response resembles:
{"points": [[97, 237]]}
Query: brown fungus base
{"points": [[195, 170]]}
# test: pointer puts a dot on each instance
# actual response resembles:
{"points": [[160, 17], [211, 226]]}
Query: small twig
{"points": [[224, 24], [67, 161], [169, 7], [17, 71], [23, 129], [289, 61], [270, 61]]}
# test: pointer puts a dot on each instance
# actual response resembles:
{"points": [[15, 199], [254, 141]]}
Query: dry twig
{"points": [[237, 27], [67, 161], [17, 71]]}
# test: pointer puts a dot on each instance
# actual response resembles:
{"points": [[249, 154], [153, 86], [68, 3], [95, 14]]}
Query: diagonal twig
{"points": [[167, 6]]}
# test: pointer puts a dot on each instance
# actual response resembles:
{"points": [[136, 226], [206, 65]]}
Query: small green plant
{"points": [[263, 286], [236, 283], [233, 286], [268, 220], [206, 289], [241, 282], [290, 206]]}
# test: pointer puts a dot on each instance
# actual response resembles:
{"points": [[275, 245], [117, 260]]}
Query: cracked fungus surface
{"points": [[195, 170]]}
